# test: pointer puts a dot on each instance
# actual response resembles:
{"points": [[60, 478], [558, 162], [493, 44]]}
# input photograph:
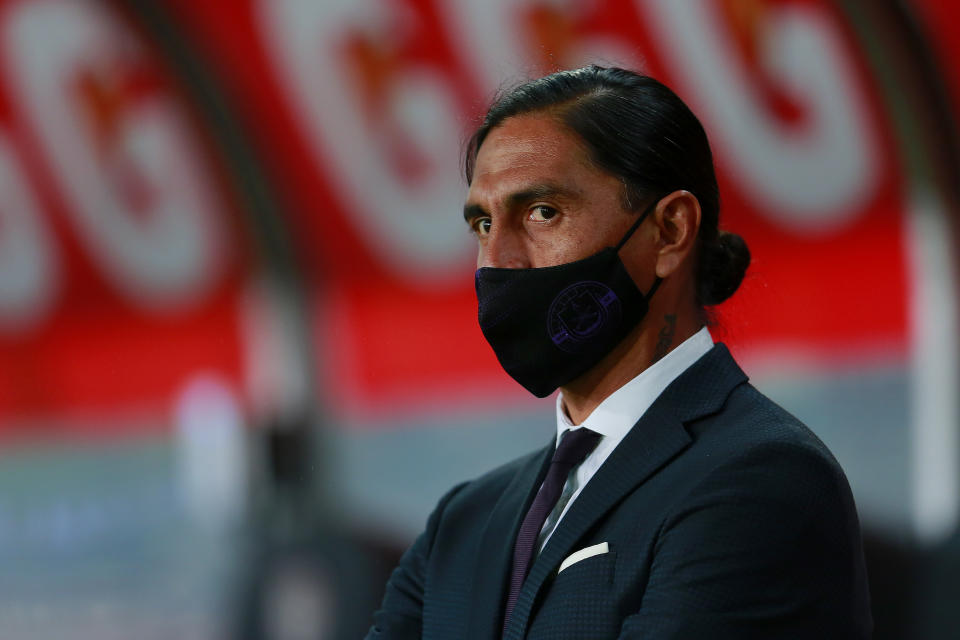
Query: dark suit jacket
{"points": [[725, 517]]}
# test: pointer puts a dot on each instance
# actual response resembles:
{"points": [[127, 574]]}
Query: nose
{"points": [[503, 249]]}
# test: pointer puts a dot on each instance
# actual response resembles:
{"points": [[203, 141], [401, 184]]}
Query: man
{"points": [[676, 500]]}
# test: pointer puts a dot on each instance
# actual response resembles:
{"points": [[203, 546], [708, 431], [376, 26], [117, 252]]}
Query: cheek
{"points": [[560, 250]]}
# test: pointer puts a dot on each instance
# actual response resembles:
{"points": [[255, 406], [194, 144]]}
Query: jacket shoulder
{"points": [[750, 420]]}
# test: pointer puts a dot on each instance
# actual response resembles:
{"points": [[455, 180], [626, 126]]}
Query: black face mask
{"points": [[551, 324]]}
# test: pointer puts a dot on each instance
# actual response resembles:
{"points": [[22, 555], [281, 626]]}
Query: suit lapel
{"points": [[653, 441], [495, 555]]}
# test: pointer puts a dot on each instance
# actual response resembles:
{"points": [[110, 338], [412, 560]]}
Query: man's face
{"points": [[536, 200]]}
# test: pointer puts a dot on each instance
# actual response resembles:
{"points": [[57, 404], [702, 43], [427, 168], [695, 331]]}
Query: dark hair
{"points": [[637, 129]]}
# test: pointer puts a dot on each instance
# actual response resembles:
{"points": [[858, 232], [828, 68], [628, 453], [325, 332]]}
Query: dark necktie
{"points": [[573, 448]]}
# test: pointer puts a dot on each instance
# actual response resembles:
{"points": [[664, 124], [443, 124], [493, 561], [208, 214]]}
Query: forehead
{"points": [[532, 148]]}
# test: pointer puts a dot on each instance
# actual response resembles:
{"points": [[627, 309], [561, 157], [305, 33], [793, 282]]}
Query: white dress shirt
{"points": [[617, 414]]}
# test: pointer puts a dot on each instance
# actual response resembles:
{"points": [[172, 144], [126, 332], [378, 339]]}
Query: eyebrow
{"points": [[518, 198]]}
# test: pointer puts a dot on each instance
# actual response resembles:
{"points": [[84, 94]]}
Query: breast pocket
{"points": [[579, 603]]}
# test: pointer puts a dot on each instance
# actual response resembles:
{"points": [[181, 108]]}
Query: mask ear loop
{"points": [[626, 237], [635, 226], [653, 289]]}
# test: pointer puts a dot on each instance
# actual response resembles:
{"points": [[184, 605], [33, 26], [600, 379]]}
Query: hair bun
{"points": [[723, 264]]}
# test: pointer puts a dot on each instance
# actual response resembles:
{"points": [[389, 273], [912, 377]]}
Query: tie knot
{"points": [[575, 446]]}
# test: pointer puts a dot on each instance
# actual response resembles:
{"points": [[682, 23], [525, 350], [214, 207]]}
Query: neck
{"points": [[652, 339]]}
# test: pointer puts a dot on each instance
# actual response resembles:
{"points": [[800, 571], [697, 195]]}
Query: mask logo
{"points": [[581, 312]]}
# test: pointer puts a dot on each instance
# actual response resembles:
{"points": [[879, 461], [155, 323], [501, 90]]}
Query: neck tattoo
{"points": [[665, 337]]}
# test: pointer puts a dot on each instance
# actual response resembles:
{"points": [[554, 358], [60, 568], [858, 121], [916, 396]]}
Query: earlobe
{"points": [[666, 264]]}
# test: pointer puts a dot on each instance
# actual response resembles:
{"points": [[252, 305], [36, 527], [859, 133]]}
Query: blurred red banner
{"points": [[121, 267], [357, 112]]}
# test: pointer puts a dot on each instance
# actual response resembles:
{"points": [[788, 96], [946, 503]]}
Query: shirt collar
{"points": [[617, 414]]}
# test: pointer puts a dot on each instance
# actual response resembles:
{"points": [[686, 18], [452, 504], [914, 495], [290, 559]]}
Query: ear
{"points": [[677, 220]]}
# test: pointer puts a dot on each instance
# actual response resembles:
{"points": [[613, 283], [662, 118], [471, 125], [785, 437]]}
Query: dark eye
{"points": [[481, 226], [541, 213]]}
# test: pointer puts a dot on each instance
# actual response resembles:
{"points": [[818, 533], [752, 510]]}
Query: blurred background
{"points": [[239, 359]]}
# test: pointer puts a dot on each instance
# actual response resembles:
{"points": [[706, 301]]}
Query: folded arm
{"points": [[400, 616]]}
